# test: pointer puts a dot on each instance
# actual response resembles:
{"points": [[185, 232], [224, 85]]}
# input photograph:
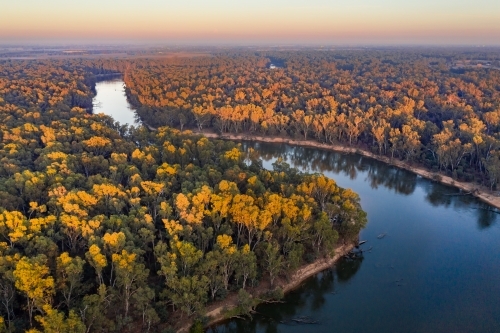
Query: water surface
{"points": [[111, 100]]}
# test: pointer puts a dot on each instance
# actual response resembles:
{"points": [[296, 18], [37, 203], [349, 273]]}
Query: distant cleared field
{"points": [[92, 53]]}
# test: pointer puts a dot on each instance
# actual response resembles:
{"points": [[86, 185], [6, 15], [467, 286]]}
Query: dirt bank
{"points": [[216, 311]]}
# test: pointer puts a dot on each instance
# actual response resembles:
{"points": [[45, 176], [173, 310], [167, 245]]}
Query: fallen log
{"points": [[457, 194], [487, 209], [359, 251], [304, 321]]}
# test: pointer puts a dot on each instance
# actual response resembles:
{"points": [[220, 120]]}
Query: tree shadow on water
{"points": [[486, 216], [346, 268], [439, 195]]}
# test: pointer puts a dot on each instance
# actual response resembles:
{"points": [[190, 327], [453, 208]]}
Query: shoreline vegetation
{"points": [[479, 191], [218, 311], [223, 310]]}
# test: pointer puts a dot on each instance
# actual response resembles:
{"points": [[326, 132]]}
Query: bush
{"points": [[437, 178], [274, 295], [245, 302], [197, 327]]}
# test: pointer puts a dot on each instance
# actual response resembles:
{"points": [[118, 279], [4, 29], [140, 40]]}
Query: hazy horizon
{"points": [[361, 22]]}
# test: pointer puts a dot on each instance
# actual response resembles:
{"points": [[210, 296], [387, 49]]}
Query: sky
{"points": [[328, 22]]}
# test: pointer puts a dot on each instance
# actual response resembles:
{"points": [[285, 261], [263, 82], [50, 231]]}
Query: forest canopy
{"points": [[105, 227], [439, 108]]}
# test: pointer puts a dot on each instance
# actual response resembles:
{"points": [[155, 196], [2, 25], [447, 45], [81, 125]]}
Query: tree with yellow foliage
{"points": [[130, 276], [54, 321], [244, 214], [13, 227], [32, 278], [97, 260], [97, 145]]}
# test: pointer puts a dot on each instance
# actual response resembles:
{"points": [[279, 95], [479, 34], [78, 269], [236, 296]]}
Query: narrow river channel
{"points": [[436, 269], [111, 100]]}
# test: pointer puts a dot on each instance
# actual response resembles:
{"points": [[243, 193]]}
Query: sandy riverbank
{"points": [[216, 311], [481, 192]]}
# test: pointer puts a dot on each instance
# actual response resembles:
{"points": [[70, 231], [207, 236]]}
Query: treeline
{"points": [[106, 228], [411, 105]]}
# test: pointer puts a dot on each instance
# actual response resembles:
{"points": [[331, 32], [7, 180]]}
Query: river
{"points": [[111, 100], [436, 270]]}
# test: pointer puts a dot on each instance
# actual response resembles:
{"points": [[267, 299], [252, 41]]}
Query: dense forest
{"points": [[439, 108], [106, 228]]}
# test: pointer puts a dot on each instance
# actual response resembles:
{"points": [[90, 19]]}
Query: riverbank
{"points": [[217, 312], [479, 191]]}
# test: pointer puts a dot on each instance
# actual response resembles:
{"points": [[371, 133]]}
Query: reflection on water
{"points": [[436, 270], [486, 216], [111, 100], [317, 160], [375, 173], [346, 268]]}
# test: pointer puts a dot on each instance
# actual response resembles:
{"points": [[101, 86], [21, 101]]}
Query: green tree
{"points": [[189, 293], [69, 276], [246, 265], [130, 277], [272, 260], [210, 269]]}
